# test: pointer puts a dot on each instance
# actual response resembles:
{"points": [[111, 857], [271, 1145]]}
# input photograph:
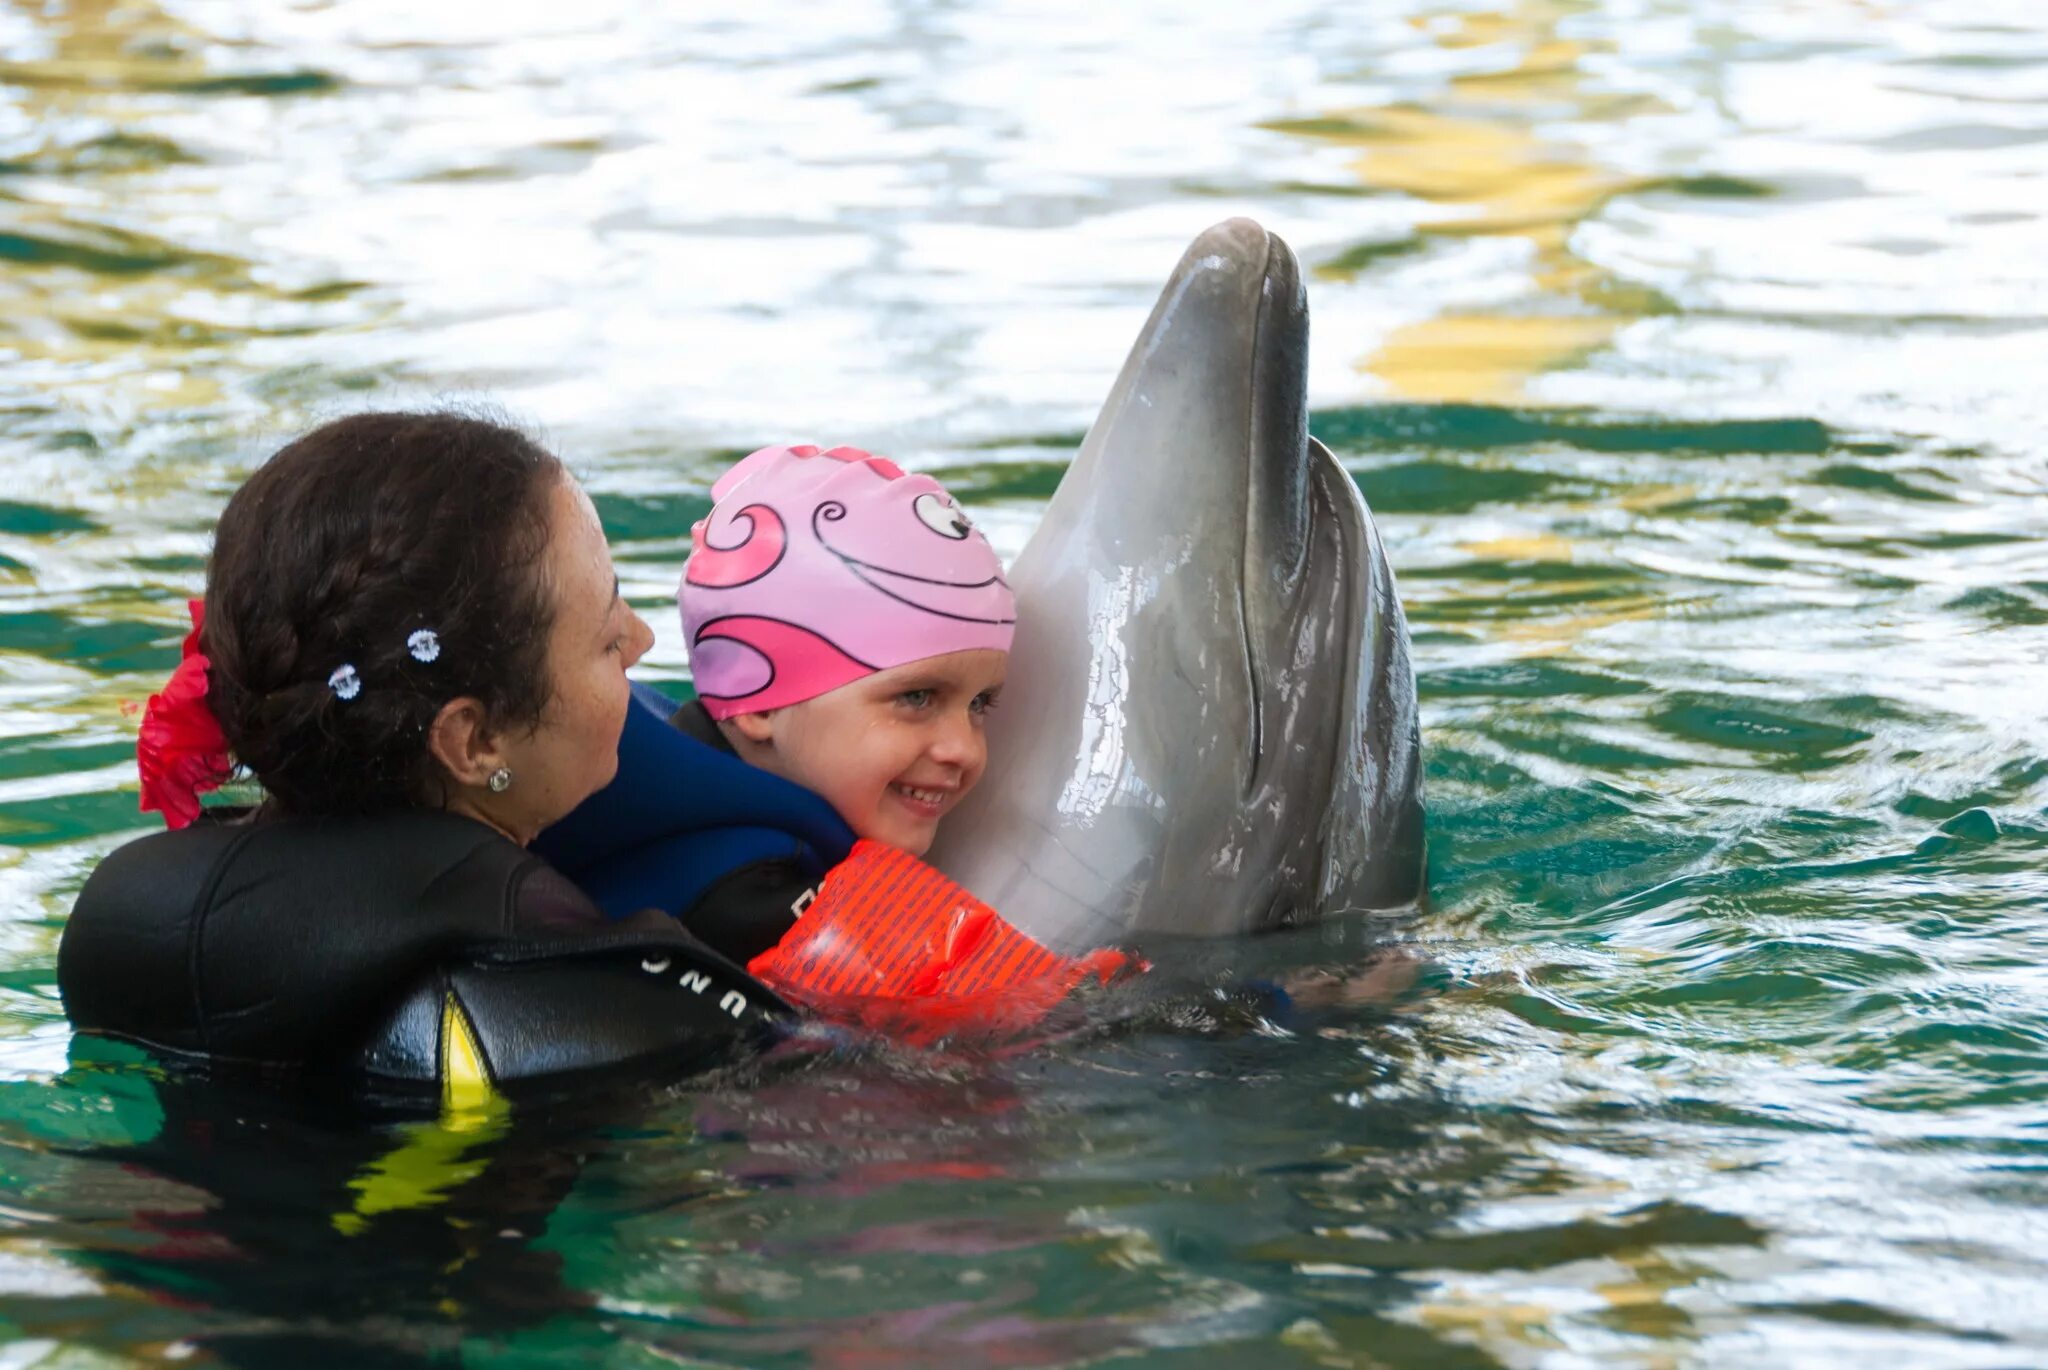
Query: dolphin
{"points": [[1210, 722]]}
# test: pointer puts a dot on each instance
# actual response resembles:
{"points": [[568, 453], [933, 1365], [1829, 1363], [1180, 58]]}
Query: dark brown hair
{"points": [[332, 554]]}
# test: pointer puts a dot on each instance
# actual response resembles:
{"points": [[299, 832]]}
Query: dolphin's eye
{"points": [[942, 517]]}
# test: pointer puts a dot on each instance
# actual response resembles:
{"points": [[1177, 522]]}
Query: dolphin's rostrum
{"points": [[1210, 721]]}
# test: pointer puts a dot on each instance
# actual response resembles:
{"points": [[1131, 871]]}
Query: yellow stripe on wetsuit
{"points": [[433, 1157]]}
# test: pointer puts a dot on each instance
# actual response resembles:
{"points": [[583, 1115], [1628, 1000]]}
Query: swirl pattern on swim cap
{"points": [[817, 568]]}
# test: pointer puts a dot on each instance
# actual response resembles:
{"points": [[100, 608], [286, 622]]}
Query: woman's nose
{"points": [[639, 637]]}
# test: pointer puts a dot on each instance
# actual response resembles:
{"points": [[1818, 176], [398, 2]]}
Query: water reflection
{"points": [[1034, 1210], [865, 1206], [226, 1219], [1699, 407], [1477, 150], [117, 281]]}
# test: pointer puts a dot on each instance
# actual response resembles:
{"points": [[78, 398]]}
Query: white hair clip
{"points": [[345, 683], [424, 644]]}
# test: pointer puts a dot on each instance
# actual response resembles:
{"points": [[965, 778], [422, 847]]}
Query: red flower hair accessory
{"points": [[181, 751]]}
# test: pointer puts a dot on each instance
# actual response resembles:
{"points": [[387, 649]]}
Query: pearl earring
{"points": [[501, 780]]}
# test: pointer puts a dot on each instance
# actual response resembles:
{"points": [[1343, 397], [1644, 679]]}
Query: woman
{"points": [[413, 637]]}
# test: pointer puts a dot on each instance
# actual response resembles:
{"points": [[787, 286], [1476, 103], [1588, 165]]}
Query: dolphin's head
{"points": [[1209, 723]]}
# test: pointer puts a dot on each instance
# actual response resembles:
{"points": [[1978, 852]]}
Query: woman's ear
{"points": [[461, 739]]}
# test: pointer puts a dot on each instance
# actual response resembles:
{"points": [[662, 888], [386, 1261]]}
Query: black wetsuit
{"points": [[376, 951]]}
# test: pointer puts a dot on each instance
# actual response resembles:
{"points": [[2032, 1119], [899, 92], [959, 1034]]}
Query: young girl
{"points": [[849, 631]]}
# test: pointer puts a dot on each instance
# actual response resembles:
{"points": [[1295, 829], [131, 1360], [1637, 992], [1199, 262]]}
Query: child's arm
{"points": [[886, 925], [749, 911]]}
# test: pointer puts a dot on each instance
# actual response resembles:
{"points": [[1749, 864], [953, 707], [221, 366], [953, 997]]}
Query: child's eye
{"points": [[915, 699], [983, 702]]}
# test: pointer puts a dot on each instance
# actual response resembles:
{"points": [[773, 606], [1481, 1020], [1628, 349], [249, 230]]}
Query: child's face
{"points": [[892, 752]]}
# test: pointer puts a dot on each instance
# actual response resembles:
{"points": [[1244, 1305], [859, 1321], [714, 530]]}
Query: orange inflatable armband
{"points": [[892, 944]]}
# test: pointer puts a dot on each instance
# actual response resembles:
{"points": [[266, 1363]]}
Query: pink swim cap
{"points": [[817, 568]]}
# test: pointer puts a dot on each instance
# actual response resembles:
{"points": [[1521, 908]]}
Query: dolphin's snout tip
{"points": [[1233, 257], [1239, 237], [1241, 224], [1245, 249]]}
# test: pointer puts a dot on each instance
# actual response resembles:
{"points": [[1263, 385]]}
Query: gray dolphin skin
{"points": [[1210, 723]]}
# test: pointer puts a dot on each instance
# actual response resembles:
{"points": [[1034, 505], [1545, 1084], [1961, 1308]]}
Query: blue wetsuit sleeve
{"points": [[680, 816]]}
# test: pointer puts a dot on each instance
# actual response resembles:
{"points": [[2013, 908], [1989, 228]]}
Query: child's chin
{"points": [[917, 844], [911, 837]]}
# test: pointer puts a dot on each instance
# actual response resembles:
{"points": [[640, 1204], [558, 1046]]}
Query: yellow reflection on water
{"points": [[1480, 1318], [1482, 358], [99, 44], [103, 288], [1559, 627], [1542, 636], [1474, 151], [1538, 547]]}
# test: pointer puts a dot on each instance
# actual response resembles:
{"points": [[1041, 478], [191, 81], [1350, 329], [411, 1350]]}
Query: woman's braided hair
{"points": [[336, 550]]}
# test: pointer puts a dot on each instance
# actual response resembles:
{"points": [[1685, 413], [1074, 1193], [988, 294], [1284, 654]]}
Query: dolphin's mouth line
{"points": [[1254, 667]]}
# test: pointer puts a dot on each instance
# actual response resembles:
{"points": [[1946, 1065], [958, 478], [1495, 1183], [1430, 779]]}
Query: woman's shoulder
{"points": [[287, 920], [351, 945], [292, 864]]}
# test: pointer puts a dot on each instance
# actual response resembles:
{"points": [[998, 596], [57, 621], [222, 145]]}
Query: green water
{"points": [[1690, 355]]}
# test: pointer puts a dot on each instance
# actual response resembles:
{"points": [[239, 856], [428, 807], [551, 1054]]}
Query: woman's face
{"points": [[574, 750], [892, 752]]}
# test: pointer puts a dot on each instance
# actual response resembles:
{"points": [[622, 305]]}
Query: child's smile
{"points": [[893, 751]]}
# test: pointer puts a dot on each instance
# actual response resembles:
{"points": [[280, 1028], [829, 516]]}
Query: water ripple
{"points": [[1687, 353]]}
